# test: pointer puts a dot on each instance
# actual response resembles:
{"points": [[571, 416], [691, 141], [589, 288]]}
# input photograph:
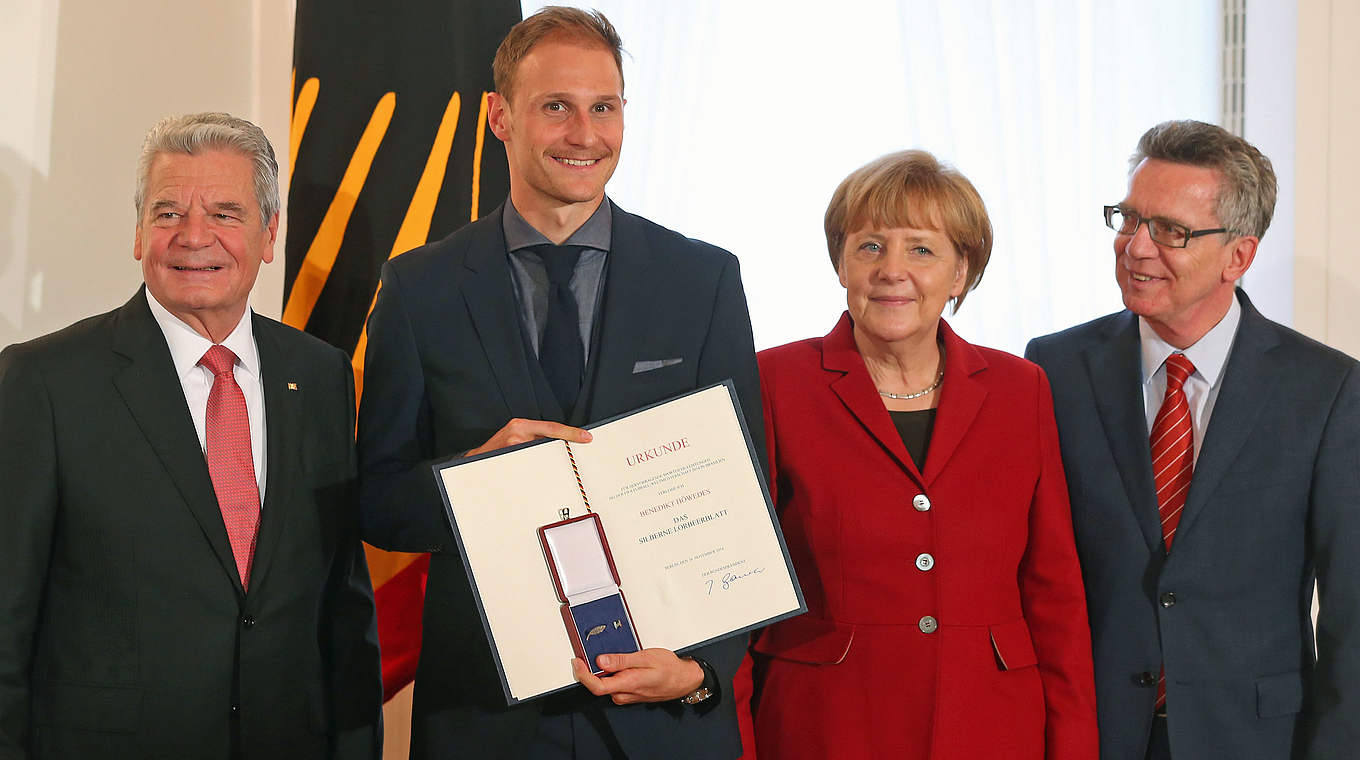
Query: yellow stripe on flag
{"points": [[316, 265], [477, 158], [415, 227], [302, 113]]}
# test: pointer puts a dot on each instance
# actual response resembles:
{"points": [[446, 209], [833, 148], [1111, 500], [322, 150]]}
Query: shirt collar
{"points": [[596, 233], [1209, 354], [187, 346]]}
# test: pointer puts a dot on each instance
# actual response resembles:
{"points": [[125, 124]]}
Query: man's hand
{"points": [[522, 431], [652, 675]]}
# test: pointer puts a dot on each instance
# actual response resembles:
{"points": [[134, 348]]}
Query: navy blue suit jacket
{"points": [[1274, 503], [447, 366]]}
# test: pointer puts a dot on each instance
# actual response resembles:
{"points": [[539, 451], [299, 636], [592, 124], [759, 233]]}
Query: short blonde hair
{"points": [[551, 21], [911, 188]]}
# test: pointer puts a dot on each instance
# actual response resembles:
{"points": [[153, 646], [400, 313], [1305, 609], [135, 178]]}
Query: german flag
{"points": [[388, 148]]}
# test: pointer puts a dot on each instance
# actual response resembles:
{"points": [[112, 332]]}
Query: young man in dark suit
{"points": [[183, 572], [500, 334], [1213, 461]]}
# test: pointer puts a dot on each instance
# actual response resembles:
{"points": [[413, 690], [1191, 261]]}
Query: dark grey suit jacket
{"points": [[124, 630], [447, 366], [1275, 501]]}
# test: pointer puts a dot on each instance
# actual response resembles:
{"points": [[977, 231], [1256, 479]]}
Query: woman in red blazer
{"points": [[921, 492]]}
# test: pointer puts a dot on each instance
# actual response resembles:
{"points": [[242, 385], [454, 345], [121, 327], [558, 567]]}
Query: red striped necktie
{"points": [[1173, 447], [1173, 462], [230, 462]]}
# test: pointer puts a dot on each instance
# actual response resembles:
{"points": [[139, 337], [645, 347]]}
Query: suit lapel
{"points": [[491, 301], [856, 391], [961, 398], [155, 398], [1249, 380], [283, 447], [1116, 383]]}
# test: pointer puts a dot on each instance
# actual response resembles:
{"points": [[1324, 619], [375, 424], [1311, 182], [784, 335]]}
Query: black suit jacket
{"points": [[448, 366], [124, 630], [1274, 501]]}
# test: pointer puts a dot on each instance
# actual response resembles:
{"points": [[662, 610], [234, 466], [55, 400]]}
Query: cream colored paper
{"points": [[697, 552]]}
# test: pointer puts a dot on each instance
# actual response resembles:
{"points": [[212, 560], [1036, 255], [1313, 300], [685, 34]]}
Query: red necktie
{"points": [[1173, 447], [1173, 461], [230, 462]]}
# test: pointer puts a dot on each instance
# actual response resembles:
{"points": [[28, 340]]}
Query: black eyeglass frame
{"points": [[1156, 223]]}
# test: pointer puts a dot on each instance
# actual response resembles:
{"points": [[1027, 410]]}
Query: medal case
{"points": [[594, 609]]}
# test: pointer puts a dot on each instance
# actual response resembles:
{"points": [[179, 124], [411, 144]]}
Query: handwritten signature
{"points": [[728, 580]]}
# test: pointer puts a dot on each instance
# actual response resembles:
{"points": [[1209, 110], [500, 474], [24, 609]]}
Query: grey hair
{"points": [[195, 133], [1246, 196]]}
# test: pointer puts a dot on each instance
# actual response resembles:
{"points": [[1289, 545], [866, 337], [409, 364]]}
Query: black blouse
{"points": [[915, 427]]}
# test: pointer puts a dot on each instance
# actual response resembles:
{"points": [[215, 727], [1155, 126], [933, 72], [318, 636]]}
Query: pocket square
{"points": [[648, 366]]}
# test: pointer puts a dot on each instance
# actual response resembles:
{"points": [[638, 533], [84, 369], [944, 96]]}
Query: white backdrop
{"points": [[743, 116]]}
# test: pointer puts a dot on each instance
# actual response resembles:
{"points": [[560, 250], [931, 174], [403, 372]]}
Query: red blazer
{"points": [[946, 614]]}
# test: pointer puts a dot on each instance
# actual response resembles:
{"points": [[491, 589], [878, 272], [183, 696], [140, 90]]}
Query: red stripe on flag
{"points": [[400, 601]]}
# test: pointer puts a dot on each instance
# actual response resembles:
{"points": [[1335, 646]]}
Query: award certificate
{"points": [[677, 490]]}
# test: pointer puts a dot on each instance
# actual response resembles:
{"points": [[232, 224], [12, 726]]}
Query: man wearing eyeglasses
{"points": [[1213, 462]]}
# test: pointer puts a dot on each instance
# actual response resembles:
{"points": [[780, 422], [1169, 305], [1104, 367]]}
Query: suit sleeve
{"points": [[1054, 601], [351, 645], [400, 505], [28, 508], [729, 352], [1332, 720]]}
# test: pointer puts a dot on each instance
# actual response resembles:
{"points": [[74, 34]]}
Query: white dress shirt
{"points": [[1209, 354], [187, 348]]}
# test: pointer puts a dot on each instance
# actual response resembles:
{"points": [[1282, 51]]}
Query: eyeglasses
{"points": [[1162, 231]]}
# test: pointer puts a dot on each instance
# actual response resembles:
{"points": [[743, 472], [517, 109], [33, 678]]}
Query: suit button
{"points": [[1168, 599], [235, 709], [248, 621], [928, 624], [920, 503], [924, 562], [1147, 678]]}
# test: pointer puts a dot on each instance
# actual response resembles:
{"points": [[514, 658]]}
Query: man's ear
{"points": [[1240, 258], [498, 115], [273, 228]]}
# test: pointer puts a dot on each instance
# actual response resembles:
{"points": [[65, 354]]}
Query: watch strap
{"points": [[708, 690]]}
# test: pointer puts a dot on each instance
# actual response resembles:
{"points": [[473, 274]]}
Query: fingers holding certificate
{"points": [[519, 431], [651, 675]]}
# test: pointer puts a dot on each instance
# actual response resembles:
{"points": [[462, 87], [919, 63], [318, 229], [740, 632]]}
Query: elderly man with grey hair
{"points": [[183, 574], [1213, 463]]}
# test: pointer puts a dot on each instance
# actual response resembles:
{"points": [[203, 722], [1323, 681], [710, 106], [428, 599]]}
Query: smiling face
{"points": [[201, 238], [1182, 292], [563, 131], [897, 282]]}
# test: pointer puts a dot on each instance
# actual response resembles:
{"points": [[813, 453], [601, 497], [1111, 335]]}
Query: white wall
{"points": [[83, 81], [1327, 162]]}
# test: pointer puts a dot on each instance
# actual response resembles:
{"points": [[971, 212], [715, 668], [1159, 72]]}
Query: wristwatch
{"points": [[707, 689]]}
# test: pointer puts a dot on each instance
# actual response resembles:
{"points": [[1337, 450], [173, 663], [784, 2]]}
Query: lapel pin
{"points": [[292, 386]]}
